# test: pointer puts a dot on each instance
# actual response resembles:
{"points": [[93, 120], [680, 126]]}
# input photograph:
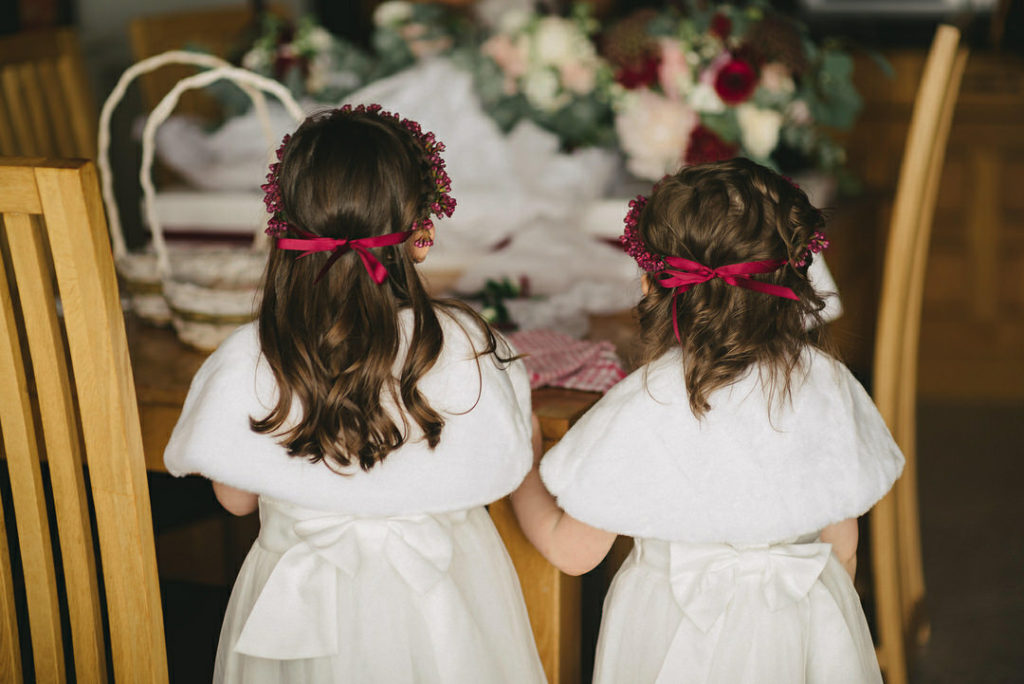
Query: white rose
{"points": [[799, 113], [316, 79], [255, 60], [759, 129], [513, 21], [319, 39], [392, 12], [557, 42], [540, 86], [654, 132], [703, 98]]}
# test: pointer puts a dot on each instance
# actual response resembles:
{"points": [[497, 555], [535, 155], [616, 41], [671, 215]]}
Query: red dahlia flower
{"points": [[705, 146], [721, 26], [735, 81], [639, 74]]}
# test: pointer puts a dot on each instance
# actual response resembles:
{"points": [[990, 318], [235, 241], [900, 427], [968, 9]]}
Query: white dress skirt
{"points": [[716, 614], [427, 599]]}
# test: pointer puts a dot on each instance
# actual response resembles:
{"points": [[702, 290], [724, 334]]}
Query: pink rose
{"points": [[674, 70], [578, 77], [506, 54]]}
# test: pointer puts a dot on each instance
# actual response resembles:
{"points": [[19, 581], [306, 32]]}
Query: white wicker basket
{"points": [[209, 291], [141, 279]]}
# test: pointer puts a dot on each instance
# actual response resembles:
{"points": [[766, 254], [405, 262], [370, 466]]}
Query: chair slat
{"points": [[82, 110], [20, 446], [24, 138], [10, 651], [57, 413], [18, 192], [113, 442], [8, 148], [58, 106], [32, 91]]}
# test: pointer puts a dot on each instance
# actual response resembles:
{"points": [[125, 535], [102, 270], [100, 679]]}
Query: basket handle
{"points": [[117, 94], [163, 110]]}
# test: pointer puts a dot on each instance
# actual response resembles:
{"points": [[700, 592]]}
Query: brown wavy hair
{"points": [[333, 344], [726, 213]]}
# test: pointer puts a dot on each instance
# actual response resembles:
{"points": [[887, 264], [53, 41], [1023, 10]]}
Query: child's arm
{"points": [[236, 501], [571, 546], [843, 538]]}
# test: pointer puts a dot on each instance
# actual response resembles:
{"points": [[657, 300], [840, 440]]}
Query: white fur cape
{"points": [[639, 463], [485, 448]]}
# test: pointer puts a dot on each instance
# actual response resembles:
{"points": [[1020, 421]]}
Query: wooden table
{"points": [[163, 367]]}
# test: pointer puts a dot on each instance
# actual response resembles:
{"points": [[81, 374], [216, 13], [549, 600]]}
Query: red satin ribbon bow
{"points": [[682, 274], [361, 246]]}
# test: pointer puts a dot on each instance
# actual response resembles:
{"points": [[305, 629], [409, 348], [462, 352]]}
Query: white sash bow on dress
{"points": [[296, 614], [705, 580]]}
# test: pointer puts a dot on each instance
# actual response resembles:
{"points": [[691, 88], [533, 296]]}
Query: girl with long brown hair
{"points": [[738, 456], [370, 424]]}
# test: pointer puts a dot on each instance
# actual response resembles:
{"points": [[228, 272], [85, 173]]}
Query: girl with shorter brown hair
{"points": [[370, 424], [739, 455]]}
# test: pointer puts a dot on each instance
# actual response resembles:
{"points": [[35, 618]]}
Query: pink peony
{"points": [[654, 132]]}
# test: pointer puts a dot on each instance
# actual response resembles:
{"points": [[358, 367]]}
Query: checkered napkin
{"points": [[559, 360]]}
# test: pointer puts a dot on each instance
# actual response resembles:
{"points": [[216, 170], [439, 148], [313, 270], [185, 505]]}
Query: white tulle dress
{"points": [[392, 575], [727, 582]]}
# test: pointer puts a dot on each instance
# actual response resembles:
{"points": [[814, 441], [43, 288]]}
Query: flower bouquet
{"points": [[717, 81], [308, 59], [547, 69], [406, 32]]}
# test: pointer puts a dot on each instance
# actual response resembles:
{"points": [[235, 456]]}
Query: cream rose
{"points": [[653, 131], [759, 129], [540, 86], [392, 12]]}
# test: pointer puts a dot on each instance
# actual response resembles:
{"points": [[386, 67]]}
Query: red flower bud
{"points": [[705, 146], [721, 26], [735, 82]]}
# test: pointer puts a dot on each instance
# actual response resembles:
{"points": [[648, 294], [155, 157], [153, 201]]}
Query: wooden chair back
{"points": [[895, 527], [220, 31], [71, 441], [46, 105]]}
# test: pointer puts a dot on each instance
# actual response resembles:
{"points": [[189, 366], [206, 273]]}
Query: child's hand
{"points": [[235, 501], [568, 544], [843, 536]]}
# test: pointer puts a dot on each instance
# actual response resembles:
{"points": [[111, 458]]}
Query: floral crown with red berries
{"points": [[634, 246], [440, 204]]}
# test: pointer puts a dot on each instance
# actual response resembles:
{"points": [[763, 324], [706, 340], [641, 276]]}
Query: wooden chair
{"points": [[67, 406], [894, 524], [219, 31], [552, 597], [46, 106]]}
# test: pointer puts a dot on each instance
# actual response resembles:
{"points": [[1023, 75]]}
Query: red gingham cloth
{"points": [[558, 360]]}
